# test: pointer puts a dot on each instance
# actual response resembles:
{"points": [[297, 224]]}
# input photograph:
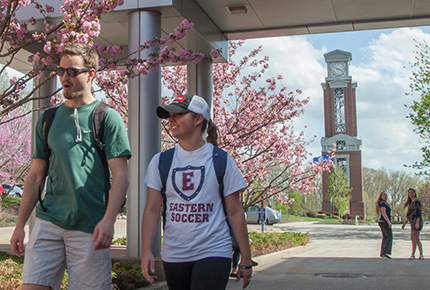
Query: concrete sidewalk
{"points": [[345, 257], [338, 257]]}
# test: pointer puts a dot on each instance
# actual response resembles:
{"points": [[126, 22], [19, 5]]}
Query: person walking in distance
{"points": [[197, 245], [383, 210], [415, 218], [74, 222]]}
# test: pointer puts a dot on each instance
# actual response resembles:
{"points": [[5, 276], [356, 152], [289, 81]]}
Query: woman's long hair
{"points": [[409, 199], [378, 201], [212, 132]]}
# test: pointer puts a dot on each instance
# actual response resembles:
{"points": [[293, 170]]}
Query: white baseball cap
{"points": [[184, 104]]}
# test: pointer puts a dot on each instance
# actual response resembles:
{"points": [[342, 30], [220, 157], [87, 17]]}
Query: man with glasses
{"points": [[75, 226]]}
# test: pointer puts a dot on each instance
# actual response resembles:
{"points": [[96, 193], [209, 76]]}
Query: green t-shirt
{"points": [[75, 197]]}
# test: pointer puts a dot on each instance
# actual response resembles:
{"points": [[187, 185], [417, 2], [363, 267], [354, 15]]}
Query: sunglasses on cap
{"points": [[71, 71]]}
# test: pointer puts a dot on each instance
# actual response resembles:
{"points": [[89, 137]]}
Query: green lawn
{"points": [[327, 220], [294, 218]]}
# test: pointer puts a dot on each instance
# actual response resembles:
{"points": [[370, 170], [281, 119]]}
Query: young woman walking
{"points": [[197, 245]]}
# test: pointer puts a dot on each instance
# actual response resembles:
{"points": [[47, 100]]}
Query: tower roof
{"points": [[338, 55]]}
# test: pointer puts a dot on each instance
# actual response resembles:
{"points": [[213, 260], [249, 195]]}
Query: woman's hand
{"points": [[148, 266], [246, 274], [403, 226]]}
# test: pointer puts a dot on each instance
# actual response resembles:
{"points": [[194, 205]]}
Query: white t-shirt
{"points": [[195, 222]]}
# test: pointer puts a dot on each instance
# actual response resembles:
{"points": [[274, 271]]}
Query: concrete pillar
{"points": [[144, 93], [200, 79]]}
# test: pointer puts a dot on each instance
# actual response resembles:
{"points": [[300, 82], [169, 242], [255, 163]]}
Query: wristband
{"points": [[245, 267]]}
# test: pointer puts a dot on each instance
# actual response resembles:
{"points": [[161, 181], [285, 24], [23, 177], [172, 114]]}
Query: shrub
{"points": [[9, 212], [311, 214], [120, 241], [10, 272], [11, 200], [123, 210], [321, 215], [264, 243], [127, 275], [348, 216]]}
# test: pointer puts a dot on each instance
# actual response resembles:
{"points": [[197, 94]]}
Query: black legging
{"points": [[387, 238], [209, 274]]}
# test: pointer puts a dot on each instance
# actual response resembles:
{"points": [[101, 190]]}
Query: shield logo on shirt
{"points": [[188, 181]]}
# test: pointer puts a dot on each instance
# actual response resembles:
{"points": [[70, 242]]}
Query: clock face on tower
{"points": [[338, 69]]}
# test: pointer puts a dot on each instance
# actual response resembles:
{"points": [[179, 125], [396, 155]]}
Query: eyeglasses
{"points": [[71, 71]]}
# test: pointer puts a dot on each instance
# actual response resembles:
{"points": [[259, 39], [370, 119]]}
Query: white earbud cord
{"points": [[78, 128]]}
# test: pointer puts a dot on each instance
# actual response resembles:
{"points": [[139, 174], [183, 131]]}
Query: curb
{"points": [[156, 286], [263, 260]]}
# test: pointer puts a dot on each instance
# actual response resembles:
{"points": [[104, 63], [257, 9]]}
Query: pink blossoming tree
{"points": [[255, 125], [15, 148], [79, 23]]}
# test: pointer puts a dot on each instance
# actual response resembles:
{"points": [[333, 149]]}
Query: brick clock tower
{"points": [[340, 122]]}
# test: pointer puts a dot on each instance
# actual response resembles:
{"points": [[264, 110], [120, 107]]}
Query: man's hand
{"points": [[17, 241], [103, 234]]}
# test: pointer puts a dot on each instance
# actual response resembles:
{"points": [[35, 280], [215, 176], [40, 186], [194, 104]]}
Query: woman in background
{"points": [[383, 210], [414, 216]]}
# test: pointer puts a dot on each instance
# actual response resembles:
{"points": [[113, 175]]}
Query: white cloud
{"points": [[383, 76]]}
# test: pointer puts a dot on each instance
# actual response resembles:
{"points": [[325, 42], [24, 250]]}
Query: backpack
{"points": [[98, 122], [219, 158]]}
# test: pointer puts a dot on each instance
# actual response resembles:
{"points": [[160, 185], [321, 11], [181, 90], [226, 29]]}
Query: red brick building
{"points": [[340, 123]]}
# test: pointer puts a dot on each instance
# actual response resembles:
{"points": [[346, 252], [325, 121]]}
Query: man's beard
{"points": [[71, 95]]}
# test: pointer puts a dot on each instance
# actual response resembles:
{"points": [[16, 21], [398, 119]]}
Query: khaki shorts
{"points": [[51, 249]]}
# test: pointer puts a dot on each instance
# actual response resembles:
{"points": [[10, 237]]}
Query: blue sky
{"points": [[381, 66]]}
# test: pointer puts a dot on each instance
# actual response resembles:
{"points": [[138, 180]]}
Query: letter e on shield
{"points": [[188, 181]]}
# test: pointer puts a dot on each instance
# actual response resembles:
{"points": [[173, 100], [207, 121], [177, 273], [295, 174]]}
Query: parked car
{"points": [[12, 190], [272, 216]]}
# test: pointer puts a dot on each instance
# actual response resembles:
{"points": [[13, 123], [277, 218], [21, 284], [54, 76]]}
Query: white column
{"points": [[200, 79], [144, 93]]}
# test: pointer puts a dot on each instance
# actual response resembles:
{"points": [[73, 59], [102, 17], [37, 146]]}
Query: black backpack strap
{"points": [[164, 165], [98, 124], [219, 157], [47, 118]]}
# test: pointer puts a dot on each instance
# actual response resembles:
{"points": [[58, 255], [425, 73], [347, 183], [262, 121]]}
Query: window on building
{"points": [[342, 163], [339, 110], [340, 145]]}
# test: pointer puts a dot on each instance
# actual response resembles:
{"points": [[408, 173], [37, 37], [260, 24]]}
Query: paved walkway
{"points": [[339, 257], [345, 257]]}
